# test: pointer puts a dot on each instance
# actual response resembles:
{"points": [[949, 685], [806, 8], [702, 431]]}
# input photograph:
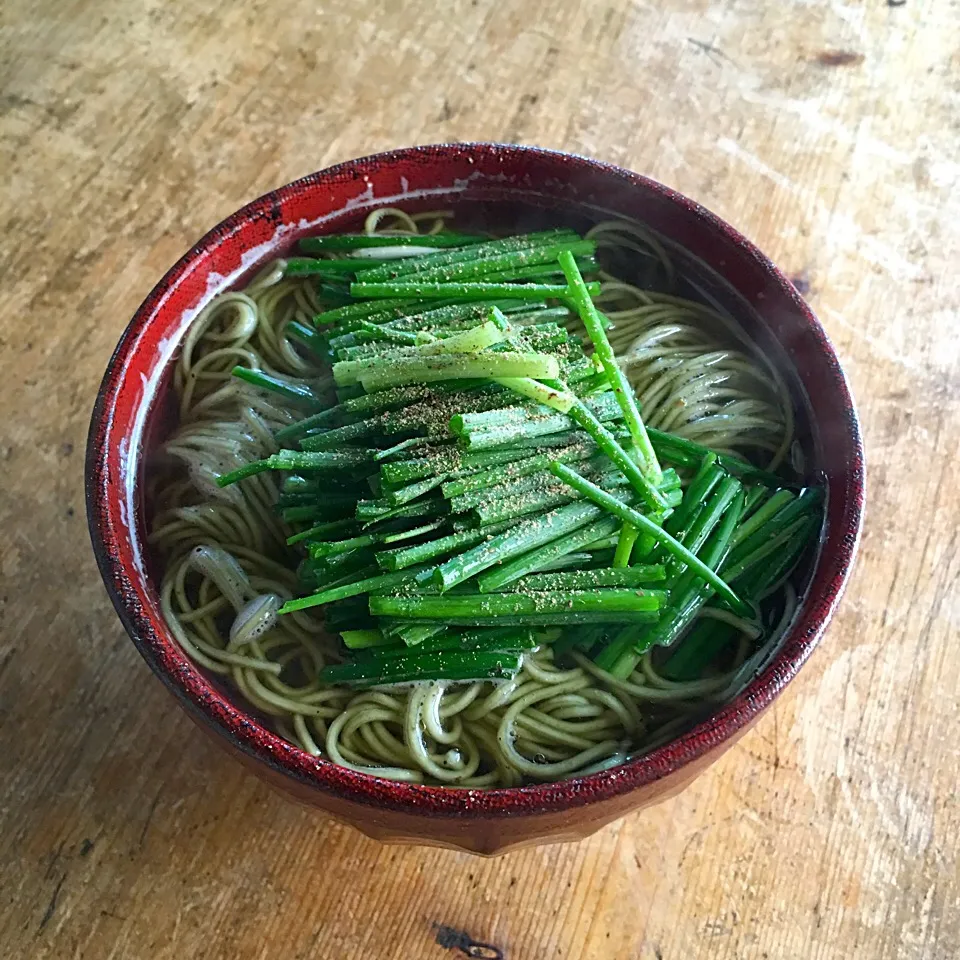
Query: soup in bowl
{"points": [[475, 494]]}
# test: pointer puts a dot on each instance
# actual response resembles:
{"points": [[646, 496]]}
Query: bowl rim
{"points": [[244, 732]]}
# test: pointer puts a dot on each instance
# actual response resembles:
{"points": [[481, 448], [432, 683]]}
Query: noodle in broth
{"points": [[227, 567]]}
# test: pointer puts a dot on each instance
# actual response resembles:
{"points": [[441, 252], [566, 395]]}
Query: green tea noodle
{"points": [[681, 358], [227, 569]]}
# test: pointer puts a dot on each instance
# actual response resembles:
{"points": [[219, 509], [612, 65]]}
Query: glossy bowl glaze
{"points": [[512, 184]]}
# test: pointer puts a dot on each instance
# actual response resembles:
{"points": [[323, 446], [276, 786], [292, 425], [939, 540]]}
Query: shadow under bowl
{"points": [[513, 186]]}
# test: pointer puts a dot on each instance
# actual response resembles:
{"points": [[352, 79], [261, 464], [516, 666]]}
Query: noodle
{"points": [[227, 568]]}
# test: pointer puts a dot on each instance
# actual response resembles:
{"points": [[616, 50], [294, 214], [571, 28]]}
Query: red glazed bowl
{"points": [[510, 185]]}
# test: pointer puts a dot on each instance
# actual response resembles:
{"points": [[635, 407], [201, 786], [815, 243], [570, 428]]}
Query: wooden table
{"points": [[828, 132]]}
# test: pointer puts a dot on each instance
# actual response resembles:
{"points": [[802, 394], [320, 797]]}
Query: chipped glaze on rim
{"points": [[471, 171]]}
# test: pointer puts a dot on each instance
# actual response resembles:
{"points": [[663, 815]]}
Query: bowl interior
{"points": [[135, 412]]}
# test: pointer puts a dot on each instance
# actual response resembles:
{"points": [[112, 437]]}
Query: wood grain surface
{"points": [[827, 131]]}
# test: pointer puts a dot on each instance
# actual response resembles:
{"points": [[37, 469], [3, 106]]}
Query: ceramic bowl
{"points": [[510, 184]]}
